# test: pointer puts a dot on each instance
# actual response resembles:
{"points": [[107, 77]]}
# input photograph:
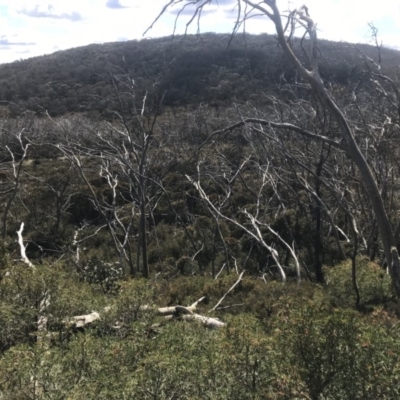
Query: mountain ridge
{"points": [[190, 69]]}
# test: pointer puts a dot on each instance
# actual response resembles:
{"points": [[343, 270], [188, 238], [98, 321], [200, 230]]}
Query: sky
{"points": [[31, 28]]}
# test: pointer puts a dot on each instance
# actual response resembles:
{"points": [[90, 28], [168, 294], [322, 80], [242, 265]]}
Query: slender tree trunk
{"points": [[7, 210], [318, 246], [142, 229], [214, 250], [312, 77]]}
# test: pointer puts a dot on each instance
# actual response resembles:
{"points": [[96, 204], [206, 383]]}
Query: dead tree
{"points": [[253, 224], [127, 157], [15, 180], [309, 72]]}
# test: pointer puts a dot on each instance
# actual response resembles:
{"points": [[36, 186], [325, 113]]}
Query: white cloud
{"points": [[56, 9]]}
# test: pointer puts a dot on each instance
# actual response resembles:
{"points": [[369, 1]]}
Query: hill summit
{"points": [[190, 69]]}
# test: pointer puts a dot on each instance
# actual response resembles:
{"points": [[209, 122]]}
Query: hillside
{"points": [[177, 186], [191, 70]]}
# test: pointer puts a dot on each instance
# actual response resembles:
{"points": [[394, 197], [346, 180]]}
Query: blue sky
{"points": [[30, 28]]}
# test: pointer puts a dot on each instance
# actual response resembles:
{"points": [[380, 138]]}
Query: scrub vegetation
{"points": [[214, 181]]}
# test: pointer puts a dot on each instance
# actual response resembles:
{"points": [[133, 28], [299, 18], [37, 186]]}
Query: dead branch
{"points": [[290, 127], [219, 273], [256, 235], [231, 306], [17, 169], [230, 290], [22, 248]]}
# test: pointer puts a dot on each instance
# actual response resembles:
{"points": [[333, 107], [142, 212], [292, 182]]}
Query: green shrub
{"points": [[320, 347], [373, 282], [49, 291], [284, 342], [104, 274]]}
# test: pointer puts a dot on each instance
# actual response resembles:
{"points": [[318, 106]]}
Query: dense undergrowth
{"points": [[189, 197], [293, 341]]}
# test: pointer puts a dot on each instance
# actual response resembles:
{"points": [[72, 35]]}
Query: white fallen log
{"points": [[208, 322], [169, 313], [172, 309], [80, 321], [165, 311], [188, 315]]}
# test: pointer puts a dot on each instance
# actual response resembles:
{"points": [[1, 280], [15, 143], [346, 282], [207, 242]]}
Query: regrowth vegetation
{"points": [[268, 184]]}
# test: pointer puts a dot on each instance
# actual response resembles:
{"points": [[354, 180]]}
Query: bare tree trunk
{"points": [[17, 169], [318, 246], [143, 239], [313, 78], [354, 262]]}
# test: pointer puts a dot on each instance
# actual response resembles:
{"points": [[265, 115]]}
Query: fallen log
{"points": [[169, 313], [172, 309], [188, 315], [80, 321]]}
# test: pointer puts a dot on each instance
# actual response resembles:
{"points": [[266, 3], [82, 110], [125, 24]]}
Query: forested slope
{"points": [[189, 69], [148, 188]]}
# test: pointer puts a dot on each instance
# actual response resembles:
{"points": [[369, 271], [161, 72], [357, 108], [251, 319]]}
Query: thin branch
{"points": [[288, 126], [230, 290]]}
